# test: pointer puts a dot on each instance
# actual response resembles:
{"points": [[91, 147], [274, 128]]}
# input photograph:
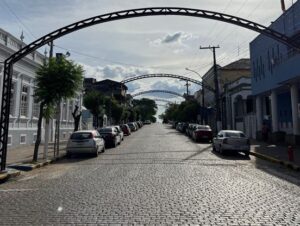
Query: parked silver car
{"points": [[120, 131], [85, 141], [231, 140]]}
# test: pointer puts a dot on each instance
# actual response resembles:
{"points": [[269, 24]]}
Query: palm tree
{"points": [[57, 79]]}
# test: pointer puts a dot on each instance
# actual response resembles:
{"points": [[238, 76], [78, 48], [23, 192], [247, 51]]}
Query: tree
{"points": [[95, 103], [186, 111], [145, 109], [57, 79], [76, 117]]}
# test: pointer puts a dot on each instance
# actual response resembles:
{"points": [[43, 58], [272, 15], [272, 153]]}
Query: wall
{"points": [[272, 63]]}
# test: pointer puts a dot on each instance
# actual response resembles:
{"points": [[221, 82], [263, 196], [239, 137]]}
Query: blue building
{"points": [[276, 79]]}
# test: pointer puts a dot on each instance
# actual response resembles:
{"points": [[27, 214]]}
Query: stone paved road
{"points": [[157, 176]]}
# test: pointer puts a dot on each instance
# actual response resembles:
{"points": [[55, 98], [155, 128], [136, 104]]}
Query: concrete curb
{"points": [[15, 170], [11, 173], [274, 160], [31, 166]]}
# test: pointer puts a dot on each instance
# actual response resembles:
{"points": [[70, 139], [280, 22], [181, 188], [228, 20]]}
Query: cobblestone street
{"points": [[156, 176]]}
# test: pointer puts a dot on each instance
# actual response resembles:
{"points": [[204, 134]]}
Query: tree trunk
{"points": [[39, 132], [47, 132]]}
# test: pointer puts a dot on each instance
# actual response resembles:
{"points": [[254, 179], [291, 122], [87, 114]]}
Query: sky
{"points": [[144, 45]]}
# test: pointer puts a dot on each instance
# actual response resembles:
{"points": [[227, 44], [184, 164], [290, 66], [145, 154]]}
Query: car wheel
{"points": [[96, 153], [222, 152], [214, 148], [68, 155], [115, 143]]}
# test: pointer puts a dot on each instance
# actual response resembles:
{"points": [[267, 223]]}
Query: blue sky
{"points": [[162, 44]]}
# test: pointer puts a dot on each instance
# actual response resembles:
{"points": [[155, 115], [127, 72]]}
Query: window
{"points": [[9, 140], [12, 99], [70, 110], [64, 111], [23, 139], [34, 137], [35, 108], [24, 101]]}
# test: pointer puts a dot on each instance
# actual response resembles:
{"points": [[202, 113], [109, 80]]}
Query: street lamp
{"points": [[202, 83], [202, 91]]}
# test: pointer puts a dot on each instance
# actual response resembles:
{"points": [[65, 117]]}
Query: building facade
{"points": [[108, 88], [226, 75], [24, 109], [276, 80]]}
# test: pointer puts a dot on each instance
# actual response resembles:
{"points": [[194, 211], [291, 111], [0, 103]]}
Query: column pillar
{"points": [[295, 101], [30, 98], [17, 94], [258, 113], [274, 111]]}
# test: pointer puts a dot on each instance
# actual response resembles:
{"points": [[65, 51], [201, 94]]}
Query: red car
{"points": [[202, 133], [126, 130]]}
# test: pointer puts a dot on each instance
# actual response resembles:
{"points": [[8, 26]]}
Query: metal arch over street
{"points": [[157, 91], [119, 15], [163, 100], [161, 75]]}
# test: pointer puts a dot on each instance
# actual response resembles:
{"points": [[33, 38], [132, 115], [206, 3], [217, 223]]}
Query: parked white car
{"points": [[85, 141], [231, 140]]}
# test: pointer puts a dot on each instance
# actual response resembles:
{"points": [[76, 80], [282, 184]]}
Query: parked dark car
{"points": [[147, 122], [126, 129], [202, 132], [110, 135], [132, 126], [184, 127], [179, 126], [174, 124]]}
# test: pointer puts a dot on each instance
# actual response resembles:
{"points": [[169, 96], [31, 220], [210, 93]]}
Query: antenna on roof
{"points": [[283, 6], [22, 36]]}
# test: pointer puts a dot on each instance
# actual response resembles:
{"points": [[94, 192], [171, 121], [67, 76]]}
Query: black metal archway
{"points": [[157, 91], [119, 15], [163, 100], [162, 75]]}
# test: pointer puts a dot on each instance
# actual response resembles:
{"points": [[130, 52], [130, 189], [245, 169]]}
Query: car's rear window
{"points": [[105, 130], [231, 134], [81, 136]]}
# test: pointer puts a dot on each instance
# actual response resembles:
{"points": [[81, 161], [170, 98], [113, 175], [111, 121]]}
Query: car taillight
{"points": [[225, 141]]}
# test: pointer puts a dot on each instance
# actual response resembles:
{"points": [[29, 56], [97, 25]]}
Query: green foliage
{"points": [[114, 108], [184, 112], [94, 102], [58, 79], [145, 109]]}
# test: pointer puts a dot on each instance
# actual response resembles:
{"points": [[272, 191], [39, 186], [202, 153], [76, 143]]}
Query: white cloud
{"points": [[178, 38], [114, 72]]}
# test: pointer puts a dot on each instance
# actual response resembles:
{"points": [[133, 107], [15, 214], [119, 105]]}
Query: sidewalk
{"points": [[279, 152], [24, 154]]}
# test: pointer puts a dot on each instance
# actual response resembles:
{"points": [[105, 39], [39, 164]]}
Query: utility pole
{"points": [[217, 92], [47, 121], [187, 88]]}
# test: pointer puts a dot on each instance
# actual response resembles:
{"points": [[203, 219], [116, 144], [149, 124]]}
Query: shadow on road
{"points": [[197, 153], [231, 156]]}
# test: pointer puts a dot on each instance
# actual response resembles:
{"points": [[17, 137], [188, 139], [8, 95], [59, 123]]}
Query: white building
{"points": [[24, 110]]}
